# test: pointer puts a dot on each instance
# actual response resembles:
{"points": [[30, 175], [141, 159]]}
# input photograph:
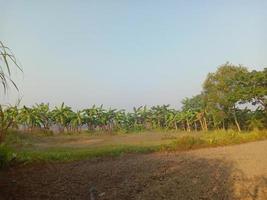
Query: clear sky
{"points": [[128, 53]]}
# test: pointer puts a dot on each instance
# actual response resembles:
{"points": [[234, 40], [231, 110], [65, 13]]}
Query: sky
{"points": [[124, 53]]}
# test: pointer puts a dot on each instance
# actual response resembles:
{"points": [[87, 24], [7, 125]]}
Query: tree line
{"points": [[218, 106]]}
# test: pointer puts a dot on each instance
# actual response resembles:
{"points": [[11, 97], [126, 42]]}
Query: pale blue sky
{"points": [[128, 53]]}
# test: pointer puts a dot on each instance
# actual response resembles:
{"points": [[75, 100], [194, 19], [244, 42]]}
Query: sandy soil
{"points": [[233, 172]]}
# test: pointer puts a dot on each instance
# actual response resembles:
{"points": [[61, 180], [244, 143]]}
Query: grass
{"points": [[6, 155], [79, 154], [35, 148], [214, 139]]}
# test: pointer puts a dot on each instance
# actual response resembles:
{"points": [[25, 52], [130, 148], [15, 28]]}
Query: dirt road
{"points": [[233, 172]]}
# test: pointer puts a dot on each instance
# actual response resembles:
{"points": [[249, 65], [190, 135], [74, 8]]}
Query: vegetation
{"points": [[217, 107], [7, 59], [30, 148]]}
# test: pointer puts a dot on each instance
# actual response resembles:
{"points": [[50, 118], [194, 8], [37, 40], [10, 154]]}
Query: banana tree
{"points": [[109, 117], [120, 120], [188, 118], [8, 119], [94, 117], [62, 117], [77, 121], [29, 118], [90, 115], [140, 116], [44, 115], [159, 116], [173, 119]]}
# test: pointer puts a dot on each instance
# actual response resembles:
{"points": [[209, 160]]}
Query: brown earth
{"points": [[85, 141], [233, 172]]}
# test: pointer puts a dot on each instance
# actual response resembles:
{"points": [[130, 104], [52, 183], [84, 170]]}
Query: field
{"points": [[25, 147], [115, 166], [110, 101]]}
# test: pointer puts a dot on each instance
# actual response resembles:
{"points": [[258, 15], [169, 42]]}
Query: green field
{"points": [[26, 148]]}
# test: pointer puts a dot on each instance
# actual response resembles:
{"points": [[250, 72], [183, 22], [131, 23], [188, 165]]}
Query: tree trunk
{"points": [[184, 127], [175, 124], [205, 123], [188, 125], [236, 122], [195, 124], [223, 125], [3, 132], [1, 136], [201, 124]]}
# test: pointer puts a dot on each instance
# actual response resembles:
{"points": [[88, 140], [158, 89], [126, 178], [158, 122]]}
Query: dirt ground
{"points": [[233, 172], [93, 141]]}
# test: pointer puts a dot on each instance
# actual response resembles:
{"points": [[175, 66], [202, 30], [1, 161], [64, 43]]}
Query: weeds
{"points": [[6, 156]]}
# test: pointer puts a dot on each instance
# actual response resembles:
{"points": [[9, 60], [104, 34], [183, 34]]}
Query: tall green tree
{"points": [[253, 87], [222, 92]]}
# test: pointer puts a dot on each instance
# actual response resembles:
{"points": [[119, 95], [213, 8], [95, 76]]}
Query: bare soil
{"points": [[85, 141], [232, 172]]}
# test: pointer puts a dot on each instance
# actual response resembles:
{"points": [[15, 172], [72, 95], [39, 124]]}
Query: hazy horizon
{"points": [[127, 53]]}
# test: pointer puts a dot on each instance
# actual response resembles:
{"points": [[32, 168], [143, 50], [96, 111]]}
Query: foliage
{"points": [[222, 91], [7, 116], [216, 107], [254, 88], [7, 59]]}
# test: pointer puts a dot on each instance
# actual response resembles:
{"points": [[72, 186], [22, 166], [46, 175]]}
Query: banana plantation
{"points": [[118, 100], [231, 98], [217, 107], [64, 119]]}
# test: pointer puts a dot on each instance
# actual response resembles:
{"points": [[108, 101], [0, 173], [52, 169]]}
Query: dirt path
{"points": [[233, 172]]}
